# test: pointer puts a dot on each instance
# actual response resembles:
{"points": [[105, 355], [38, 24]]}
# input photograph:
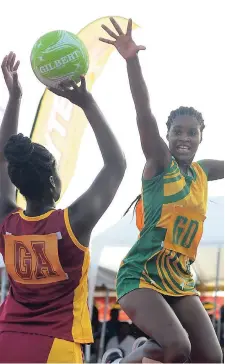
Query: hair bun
{"points": [[18, 149]]}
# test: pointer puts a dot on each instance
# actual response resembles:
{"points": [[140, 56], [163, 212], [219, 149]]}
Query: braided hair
{"points": [[187, 111], [182, 110], [30, 166], [136, 200]]}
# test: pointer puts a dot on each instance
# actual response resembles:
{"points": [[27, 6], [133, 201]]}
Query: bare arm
{"points": [[154, 148], [214, 169], [85, 212], [8, 128], [88, 209], [147, 126]]}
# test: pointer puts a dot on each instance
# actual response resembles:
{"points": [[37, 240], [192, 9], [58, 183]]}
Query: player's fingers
{"points": [[129, 27], [57, 91], [141, 48], [108, 41], [15, 68], [8, 63], [12, 61], [109, 31], [4, 62], [83, 82], [68, 84], [116, 26]]}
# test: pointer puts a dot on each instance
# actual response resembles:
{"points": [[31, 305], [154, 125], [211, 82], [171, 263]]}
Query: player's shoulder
{"points": [[54, 218], [12, 215], [200, 169], [18, 215], [9, 219], [169, 172]]}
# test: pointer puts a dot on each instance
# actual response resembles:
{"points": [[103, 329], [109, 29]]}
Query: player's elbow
{"points": [[121, 166], [118, 167]]}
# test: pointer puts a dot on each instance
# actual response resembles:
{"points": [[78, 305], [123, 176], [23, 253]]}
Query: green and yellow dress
{"points": [[174, 208]]}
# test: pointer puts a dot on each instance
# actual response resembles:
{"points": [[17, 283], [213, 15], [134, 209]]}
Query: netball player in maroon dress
{"points": [[45, 317]]}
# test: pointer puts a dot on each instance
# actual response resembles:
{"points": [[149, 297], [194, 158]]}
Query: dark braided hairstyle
{"points": [[137, 199], [187, 111], [30, 166], [182, 110]]}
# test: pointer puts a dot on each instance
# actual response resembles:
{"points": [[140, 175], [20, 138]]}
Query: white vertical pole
{"points": [[103, 331], [4, 280]]}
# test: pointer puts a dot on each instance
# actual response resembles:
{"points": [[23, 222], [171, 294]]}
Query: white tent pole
{"points": [[3, 284], [103, 331], [216, 285]]}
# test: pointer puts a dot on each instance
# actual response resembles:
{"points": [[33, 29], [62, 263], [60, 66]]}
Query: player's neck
{"points": [[184, 165], [36, 208]]}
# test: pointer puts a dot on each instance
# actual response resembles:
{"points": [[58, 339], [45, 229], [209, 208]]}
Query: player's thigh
{"points": [[153, 315], [205, 347]]}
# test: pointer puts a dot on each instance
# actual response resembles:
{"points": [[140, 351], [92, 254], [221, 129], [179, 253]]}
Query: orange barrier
{"points": [[208, 302]]}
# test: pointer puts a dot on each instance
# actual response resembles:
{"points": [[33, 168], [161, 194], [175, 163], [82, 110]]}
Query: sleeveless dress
{"points": [[174, 207], [47, 301]]}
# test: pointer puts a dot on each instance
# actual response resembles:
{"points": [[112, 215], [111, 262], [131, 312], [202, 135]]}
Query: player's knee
{"points": [[178, 351], [153, 351], [213, 356]]}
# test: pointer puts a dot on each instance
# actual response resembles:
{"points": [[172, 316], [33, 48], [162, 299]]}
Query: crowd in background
{"points": [[123, 334]]}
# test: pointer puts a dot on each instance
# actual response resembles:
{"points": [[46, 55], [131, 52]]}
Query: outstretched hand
{"points": [[122, 42], [78, 95], [9, 70]]}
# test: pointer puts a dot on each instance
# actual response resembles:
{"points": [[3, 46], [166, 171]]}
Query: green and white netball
{"points": [[57, 56]]}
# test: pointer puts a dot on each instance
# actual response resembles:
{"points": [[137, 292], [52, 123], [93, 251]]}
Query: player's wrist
{"points": [[132, 59], [89, 103], [15, 96]]}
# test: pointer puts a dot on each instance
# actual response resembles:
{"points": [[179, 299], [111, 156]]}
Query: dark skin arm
{"points": [[9, 127], [154, 148], [86, 211], [215, 168]]}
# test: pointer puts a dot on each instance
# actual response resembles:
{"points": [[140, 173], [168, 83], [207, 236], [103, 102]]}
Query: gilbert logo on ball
{"points": [[57, 56]]}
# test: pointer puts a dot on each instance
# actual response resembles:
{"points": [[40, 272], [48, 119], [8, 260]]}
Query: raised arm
{"points": [[85, 212], [154, 148], [9, 127]]}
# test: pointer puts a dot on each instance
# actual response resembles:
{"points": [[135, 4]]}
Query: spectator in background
{"points": [[123, 340], [96, 328], [222, 314], [96, 325], [136, 332], [113, 325], [213, 320]]}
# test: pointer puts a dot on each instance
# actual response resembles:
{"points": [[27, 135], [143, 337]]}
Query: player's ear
{"points": [[52, 181]]}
